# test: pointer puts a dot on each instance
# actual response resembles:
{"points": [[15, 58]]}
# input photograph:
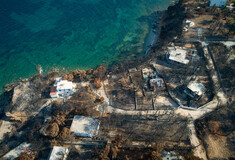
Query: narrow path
{"points": [[196, 114], [215, 76], [110, 109], [198, 148]]}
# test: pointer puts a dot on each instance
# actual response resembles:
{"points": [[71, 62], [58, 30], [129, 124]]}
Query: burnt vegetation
{"points": [[119, 133]]}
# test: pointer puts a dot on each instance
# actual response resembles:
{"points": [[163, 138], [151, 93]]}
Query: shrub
{"points": [[52, 130], [97, 83], [100, 72], [65, 132], [214, 127]]}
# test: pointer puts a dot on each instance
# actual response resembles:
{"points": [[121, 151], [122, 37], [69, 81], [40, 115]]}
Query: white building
{"points": [[217, 3], [196, 87], [195, 90], [85, 126], [62, 88], [179, 55], [58, 153], [189, 23], [16, 152], [171, 156]]}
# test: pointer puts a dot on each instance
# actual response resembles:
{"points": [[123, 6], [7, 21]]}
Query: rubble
{"points": [[84, 126]]}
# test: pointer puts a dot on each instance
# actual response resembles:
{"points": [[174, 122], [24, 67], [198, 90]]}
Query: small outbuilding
{"points": [[217, 3], [58, 152], [189, 23], [85, 126]]}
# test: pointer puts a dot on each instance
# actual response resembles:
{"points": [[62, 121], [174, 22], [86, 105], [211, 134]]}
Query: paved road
{"points": [[110, 109]]}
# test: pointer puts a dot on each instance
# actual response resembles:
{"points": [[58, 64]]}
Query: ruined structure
{"points": [[58, 153], [178, 55], [84, 126]]}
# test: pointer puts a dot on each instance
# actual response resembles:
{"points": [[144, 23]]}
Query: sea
{"points": [[71, 34]]}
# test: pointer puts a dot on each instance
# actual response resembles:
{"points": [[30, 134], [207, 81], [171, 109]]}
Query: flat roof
{"points": [[85, 126], [197, 87], [179, 55], [58, 152], [64, 84]]}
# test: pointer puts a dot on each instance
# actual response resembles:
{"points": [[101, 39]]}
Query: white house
{"points": [[217, 3], [58, 153], [62, 88], [179, 55], [84, 126]]}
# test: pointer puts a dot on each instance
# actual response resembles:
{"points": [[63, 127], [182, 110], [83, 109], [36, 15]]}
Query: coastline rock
{"points": [[100, 72], [82, 75], [9, 87], [172, 22], [89, 71]]}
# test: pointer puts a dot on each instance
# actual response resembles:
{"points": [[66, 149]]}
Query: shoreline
{"points": [[151, 39], [154, 35]]}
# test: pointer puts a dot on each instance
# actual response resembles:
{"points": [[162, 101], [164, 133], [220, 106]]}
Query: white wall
{"points": [[217, 3]]}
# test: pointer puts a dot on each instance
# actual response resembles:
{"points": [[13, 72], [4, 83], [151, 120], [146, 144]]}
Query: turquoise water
{"points": [[70, 34]]}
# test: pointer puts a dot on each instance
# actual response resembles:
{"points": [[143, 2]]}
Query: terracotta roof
{"points": [[52, 93], [53, 90]]}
